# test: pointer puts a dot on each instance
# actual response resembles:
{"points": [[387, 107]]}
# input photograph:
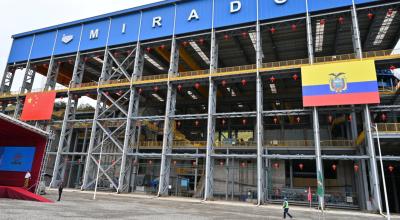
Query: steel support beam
{"points": [[52, 74], [7, 79], [319, 167], [373, 169], [27, 85], [212, 102], [168, 134], [261, 181]]}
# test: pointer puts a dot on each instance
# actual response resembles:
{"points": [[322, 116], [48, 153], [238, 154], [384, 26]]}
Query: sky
{"points": [[25, 15]]}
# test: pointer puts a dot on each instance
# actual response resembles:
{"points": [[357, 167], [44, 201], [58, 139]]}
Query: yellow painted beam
{"points": [[187, 59], [166, 56]]}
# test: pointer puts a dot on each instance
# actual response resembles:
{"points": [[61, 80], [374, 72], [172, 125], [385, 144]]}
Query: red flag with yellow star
{"points": [[38, 106]]}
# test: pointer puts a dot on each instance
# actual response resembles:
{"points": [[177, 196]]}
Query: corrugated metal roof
{"points": [[23, 124]]}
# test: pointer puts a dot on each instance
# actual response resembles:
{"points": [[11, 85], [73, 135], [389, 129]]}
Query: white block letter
{"points": [[94, 34], [123, 28], [235, 6], [157, 21], [193, 15]]}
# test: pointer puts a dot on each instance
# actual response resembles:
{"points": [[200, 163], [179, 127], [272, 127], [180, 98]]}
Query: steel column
{"points": [[212, 102], [168, 134], [373, 169], [261, 181], [320, 170], [7, 79]]}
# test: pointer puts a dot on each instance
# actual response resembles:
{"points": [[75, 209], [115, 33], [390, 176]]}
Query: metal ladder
{"points": [[45, 158]]}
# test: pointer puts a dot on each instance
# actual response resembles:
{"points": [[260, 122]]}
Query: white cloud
{"points": [[19, 16]]}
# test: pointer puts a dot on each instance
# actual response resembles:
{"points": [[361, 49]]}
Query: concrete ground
{"points": [[80, 205]]}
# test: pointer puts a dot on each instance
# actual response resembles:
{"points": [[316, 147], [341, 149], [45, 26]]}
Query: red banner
{"points": [[38, 106]]}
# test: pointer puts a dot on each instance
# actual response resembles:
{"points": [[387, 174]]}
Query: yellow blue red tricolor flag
{"points": [[344, 83]]}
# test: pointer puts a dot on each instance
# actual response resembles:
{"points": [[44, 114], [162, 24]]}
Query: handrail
{"points": [[240, 69], [388, 127]]}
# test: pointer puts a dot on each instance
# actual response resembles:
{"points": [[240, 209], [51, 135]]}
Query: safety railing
{"points": [[235, 144], [309, 143], [241, 69], [389, 127]]}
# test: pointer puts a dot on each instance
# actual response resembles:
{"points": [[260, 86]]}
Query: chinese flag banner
{"points": [[38, 106]]}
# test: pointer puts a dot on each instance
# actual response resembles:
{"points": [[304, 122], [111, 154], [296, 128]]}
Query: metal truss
{"points": [[168, 135], [52, 75], [67, 128], [8, 79], [27, 85], [113, 120]]}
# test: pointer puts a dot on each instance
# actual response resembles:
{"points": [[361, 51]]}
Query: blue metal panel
{"points": [[117, 36], [20, 49], [224, 17], [167, 15], [269, 9], [43, 45], [64, 46], [203, 8], [95, 35], [317, 5], [364, 1]]}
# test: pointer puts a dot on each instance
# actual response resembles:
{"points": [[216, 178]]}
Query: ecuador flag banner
{"points": [[38, 106], [346, 83]]}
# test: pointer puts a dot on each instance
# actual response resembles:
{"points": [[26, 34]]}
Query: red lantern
{"points": [[392, 67], [180, 88], [370, 16], [341, 20], [349, 118], [185, 43], [391, 168], [197, 123], [244, 82], [70, 61], [174, 162], [85, 59], [194, 163], [301, 166], [295, 77], [201, 41], [223, 83], [294, 27], [322, 22], [272, 79], [298, 119], [244, 121], [390, 12], [150, 162], [221, 163], [334, 167], [45, 65], [148, 49], [276, 165], [105, 93], [178, 124], [140, 90], [226, 37], [59, 62], [197, 85], [243, 164], [275, 120], [116, 54], [273, 30], [113, 162], [330, 118], [155, 88], [244, 34], [162, 47], [356, 167]]}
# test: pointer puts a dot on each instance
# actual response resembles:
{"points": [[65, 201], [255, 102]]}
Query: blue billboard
{"points": [[16, 159], [158, 20]]}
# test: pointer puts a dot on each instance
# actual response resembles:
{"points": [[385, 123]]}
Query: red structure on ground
{"points": [[16, 133]]}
